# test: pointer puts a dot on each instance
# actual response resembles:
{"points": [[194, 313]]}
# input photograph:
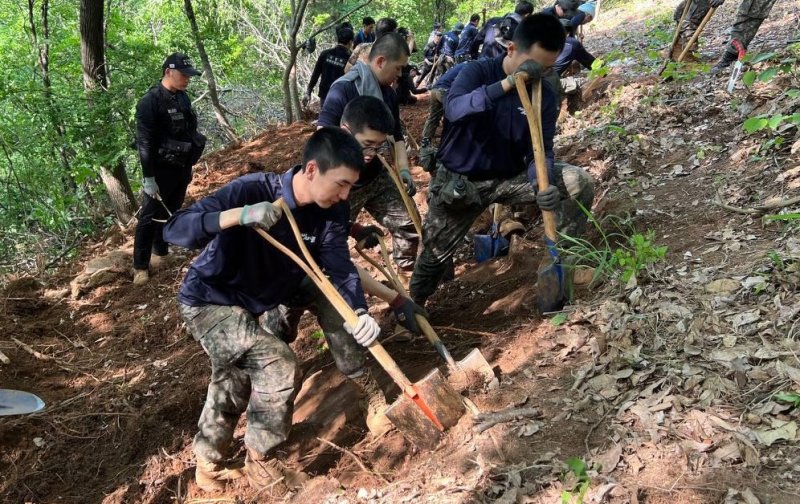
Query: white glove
{"points": [[366, 330], [150, 186]]}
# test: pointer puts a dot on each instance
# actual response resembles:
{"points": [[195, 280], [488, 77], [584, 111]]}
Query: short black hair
{"points": [[368, 112], [344, 35], [475, 17], [385, 25], [367, 21], [333, 147], [524, 8], [542, 29], [392, 46]]}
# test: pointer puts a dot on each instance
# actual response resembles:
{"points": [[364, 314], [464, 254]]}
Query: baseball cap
{"points": [[181, 62], [588, 8], [458, 27]]}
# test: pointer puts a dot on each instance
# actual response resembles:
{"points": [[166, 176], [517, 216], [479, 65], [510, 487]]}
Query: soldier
{"points": [[235, 295], [435, 112], [466, 48], [486, 154], [388, 56], [361, 53], [330, 64], [449, 45], [749, 17], [169, 144], [366, 35]]}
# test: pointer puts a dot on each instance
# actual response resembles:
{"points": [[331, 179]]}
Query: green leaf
{"points": [[763, 57], [559, 319], [792, 398], [749, 78], [767, 74], [783, 217], [754, 124], [775, 121], [793, 93]]}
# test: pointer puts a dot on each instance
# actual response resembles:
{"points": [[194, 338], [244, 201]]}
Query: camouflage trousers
{"points": [[445, 226], [749, 17], [254, 370], [435, 113], [382, 200]]}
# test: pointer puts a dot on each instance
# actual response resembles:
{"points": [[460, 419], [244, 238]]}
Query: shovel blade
{"points": [[475, 362], [443, 401], [550, 284], [489, 246], [17, 402]]}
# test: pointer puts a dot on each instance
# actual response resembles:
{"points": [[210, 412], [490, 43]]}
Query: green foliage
{"points": [[577, 469], [791, 398], [559, 319], [621, 253], [599, 69], [639, 252], [681, 72]]}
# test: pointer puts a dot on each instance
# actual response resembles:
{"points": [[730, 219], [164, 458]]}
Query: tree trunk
{"points": [[119, 192], [287, 83], [95, 80], [230, 133], [92, 45]]}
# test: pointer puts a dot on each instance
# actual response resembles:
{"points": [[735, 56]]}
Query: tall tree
{"points": [[95, 80], [219, 109]]}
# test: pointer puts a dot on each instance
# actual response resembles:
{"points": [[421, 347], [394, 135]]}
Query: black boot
{"points": [[724, 62]]}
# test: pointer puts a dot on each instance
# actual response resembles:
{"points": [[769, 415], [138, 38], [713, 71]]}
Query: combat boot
{"points": [[211, 476], [140, 277], [263, 472], [724, 62], [374, 402]]}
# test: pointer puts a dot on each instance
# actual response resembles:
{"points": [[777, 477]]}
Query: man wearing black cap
{"points": [[169, 144]]}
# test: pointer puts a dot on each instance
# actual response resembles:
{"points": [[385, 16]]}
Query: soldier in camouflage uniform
{"points": [[749, 17], [375, 190], [237, 297], [486, 154]]}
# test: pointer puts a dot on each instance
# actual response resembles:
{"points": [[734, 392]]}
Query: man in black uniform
{"points": [[169, 144], [330, 64]]}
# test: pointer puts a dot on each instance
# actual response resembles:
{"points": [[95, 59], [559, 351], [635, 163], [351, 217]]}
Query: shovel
{"points": [[737, 68], [675, 37], [411, 207], [460, 372], [492, 245], [551, 272], [426, 408], [696, 33], [17, 402]]}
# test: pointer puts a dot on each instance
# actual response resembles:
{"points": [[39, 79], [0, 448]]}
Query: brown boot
{"points": [[263, 472], [211, 476], [140, 277], [374, 402]]}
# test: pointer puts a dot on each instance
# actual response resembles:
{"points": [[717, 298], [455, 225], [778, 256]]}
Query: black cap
{"points": [[179, 61]]}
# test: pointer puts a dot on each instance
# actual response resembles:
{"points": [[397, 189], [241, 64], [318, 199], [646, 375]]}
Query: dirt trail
{"points": [[664, 387]]}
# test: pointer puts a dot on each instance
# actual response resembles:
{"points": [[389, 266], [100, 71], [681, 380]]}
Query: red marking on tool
{"points": [[425, 409]]}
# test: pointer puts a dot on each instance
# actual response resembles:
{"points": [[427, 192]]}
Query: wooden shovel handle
{"points": [[534, 116], [411, 207], [388, 271], [314, 272], [696, 33]]}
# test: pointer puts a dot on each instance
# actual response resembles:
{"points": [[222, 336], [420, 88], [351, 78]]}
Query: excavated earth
{"points": [[662, 388]]}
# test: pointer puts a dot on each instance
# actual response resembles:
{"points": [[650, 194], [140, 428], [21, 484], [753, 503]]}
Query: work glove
{"points": [[548, 199], [716, 3], [263, 215], [369, 234], [405, 311], [150, 186], [533, 69], [405, 176], [306, 99], [366, 330]]}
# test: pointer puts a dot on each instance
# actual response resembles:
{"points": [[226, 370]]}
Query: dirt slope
{"points": [[664, 386]]}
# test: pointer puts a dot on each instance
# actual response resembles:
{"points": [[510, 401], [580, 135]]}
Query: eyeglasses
{"points": [[383, 149]]}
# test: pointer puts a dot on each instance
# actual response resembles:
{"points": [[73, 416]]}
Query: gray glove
{"points": [[406, 310], [549, 199], [150, 186], [263, 215], [366, 330], [715, 3], [533, 69], [405, 176]]}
